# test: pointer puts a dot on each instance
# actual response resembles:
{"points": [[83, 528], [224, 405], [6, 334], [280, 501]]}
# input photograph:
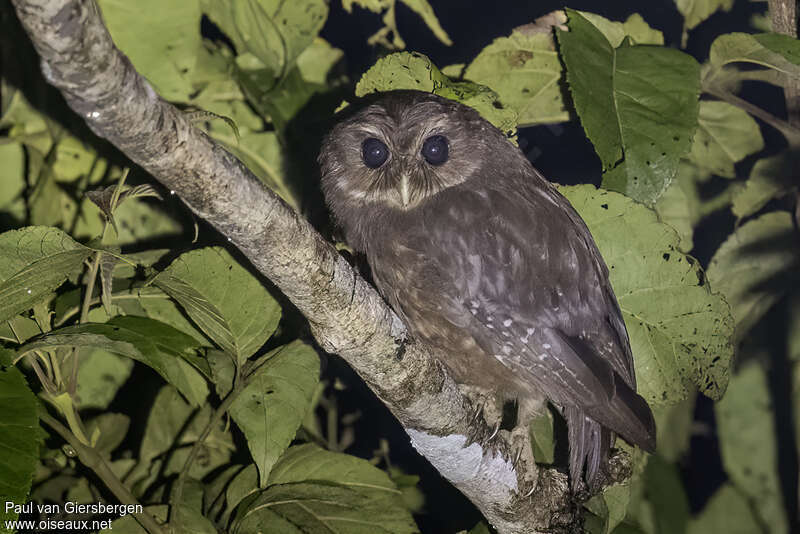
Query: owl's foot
{"points": [[486, 417], [522, 458]]}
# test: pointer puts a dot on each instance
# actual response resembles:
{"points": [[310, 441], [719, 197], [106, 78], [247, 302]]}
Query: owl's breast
{"points": [[427, 277]]}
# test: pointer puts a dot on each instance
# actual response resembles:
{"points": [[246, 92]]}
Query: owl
{"points": [[484, 260]]}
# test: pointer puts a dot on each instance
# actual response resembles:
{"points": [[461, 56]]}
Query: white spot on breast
{"points": [[506, 349], [489, 318], [505, 333], [490, 327], [546, 345], [507, 322]]}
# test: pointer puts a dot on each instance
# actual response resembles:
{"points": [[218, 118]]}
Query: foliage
{"points": [[102, 282]]}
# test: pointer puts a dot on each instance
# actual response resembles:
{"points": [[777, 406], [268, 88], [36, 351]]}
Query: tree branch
{"points": [[346, 315], [784, 20]]}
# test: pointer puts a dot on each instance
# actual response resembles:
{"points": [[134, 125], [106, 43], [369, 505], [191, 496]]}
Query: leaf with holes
{"points": [[637, 104], [405, 70], [271, 407], [680, 331], [525, 71]]}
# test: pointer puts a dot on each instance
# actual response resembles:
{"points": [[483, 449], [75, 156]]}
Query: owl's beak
{"points": [[405, 190]]}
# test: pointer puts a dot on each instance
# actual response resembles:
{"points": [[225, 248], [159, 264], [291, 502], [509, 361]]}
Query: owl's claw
{"points": [[494, 433], [477, 413], [516, 458]]}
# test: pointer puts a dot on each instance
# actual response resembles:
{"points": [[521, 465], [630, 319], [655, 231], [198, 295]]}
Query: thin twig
{"points": [[92, 460], [177, 494], [791, 132]]}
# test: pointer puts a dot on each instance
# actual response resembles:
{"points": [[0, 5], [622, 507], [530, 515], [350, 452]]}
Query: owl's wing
{"points": [[525, 268]]}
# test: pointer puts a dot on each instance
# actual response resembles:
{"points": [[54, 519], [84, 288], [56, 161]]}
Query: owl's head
{"points": [[402, 148]]}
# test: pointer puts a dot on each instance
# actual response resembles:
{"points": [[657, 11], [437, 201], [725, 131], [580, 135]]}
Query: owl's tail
{"points": [[590, 441], [589, 445]]}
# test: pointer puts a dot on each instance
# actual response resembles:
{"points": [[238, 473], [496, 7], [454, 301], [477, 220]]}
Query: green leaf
{"points": [[100, 375], [696, 11], [161, 38], [228, 303], [173, 426], [155, 344], [310, 489], [525, 71], [542, 439], [480, 528], [20, 436], [785, 45], [273, 31], [421, 7], [405, 70], [215, 492], [667, 496], [34, 262], [674, 426], [725, 135], [12, 174], [190, 510], [150, 301], [634, 27], [18, 329], [770, 178], [679, 206], [75, 159], [424, 10], [679, 330], [127, 524], [637, 104], [271, 407], [754, 266], [610, 506], [317, 61], [747, 442], [727, 511], [136, 220], [767, 50], [244, 484], [107, 431]]}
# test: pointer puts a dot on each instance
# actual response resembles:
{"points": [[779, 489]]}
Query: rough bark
{"points": [[783, 15], [346, 315]]}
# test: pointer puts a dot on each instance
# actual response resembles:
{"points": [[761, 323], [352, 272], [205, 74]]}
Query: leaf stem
{"points": [[791, 132], [92, 460]]}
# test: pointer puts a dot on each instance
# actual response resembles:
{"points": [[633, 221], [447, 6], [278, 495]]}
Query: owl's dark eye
{"points": [[374, 152], [435, 149]]}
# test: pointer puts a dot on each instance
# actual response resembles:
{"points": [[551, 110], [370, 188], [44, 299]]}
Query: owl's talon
{"points": [[477, 413], [494, 433], [516, 458]]}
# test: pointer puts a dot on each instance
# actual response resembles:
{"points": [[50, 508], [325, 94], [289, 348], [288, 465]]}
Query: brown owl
{"points": [[482, 258]]}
